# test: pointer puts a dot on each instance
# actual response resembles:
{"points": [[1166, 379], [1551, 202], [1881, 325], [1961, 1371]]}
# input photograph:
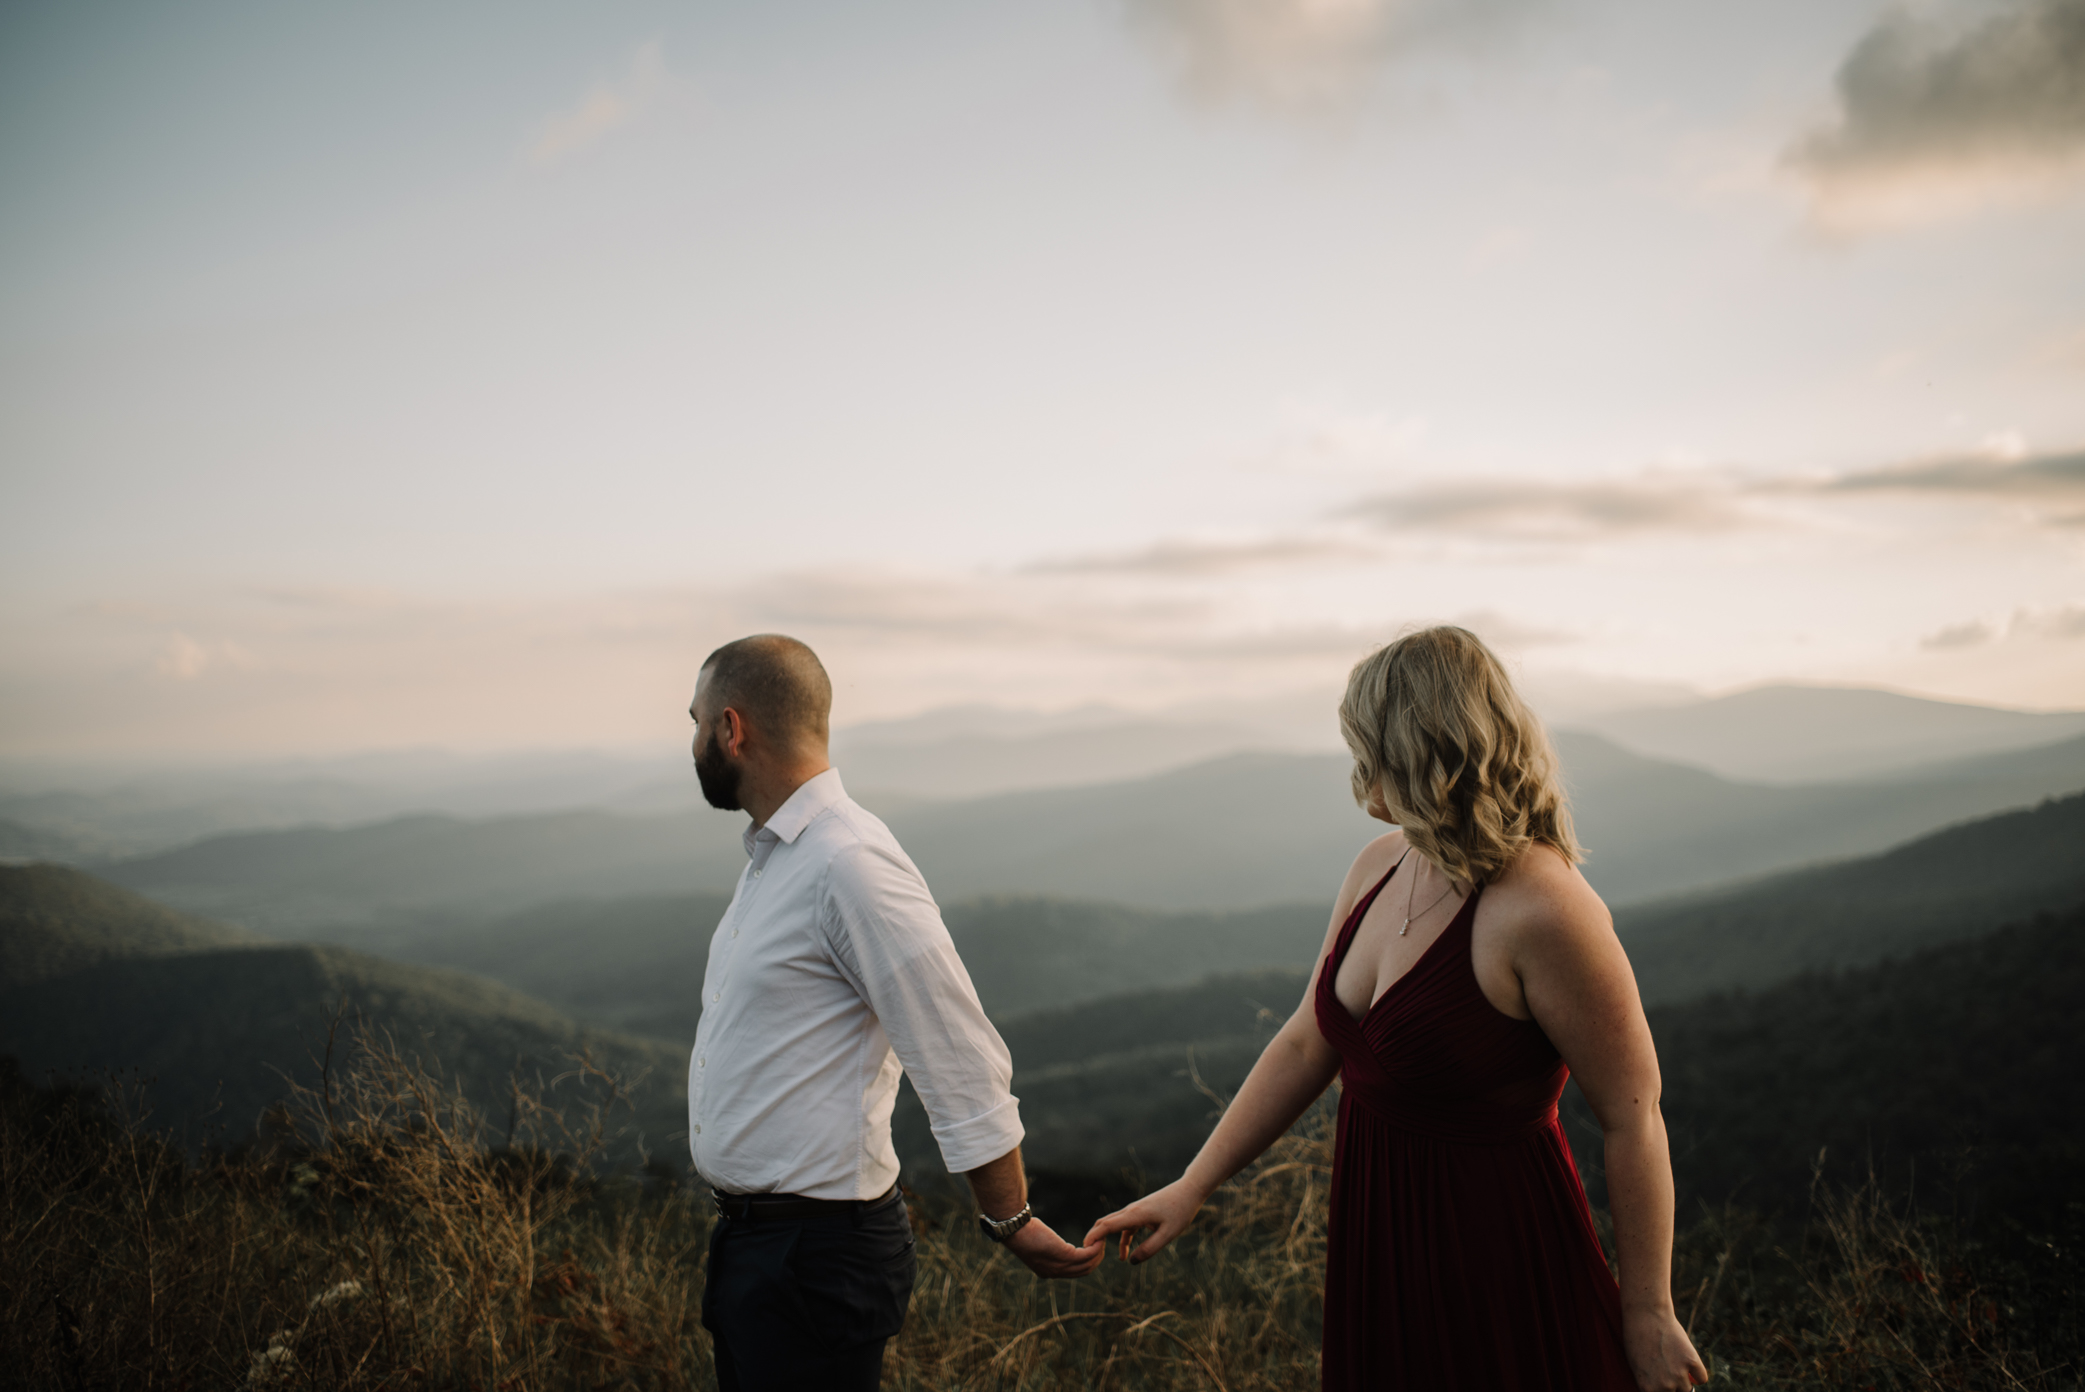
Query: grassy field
{"points": [[381, 1234]]}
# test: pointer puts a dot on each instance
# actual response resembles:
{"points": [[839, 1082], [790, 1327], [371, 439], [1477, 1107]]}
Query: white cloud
{"points": [[2049, 487], [1973, 634], [2045, 489], [1934, 123], [607, 106], [1194, 557], [1297, 55], [183, 659], [1694, 501], [2063, 623], [2067, 622]]}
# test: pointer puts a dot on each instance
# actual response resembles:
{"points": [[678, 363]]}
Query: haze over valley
{"points": [[1137, 939]]}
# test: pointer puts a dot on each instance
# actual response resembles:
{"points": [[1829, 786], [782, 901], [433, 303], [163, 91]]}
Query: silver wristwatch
{"points": [[1000, 1229]]}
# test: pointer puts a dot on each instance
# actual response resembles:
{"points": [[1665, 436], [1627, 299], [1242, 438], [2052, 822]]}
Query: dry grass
{"points": [[378, 1237]]}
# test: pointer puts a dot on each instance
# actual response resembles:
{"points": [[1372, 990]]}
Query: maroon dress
{"points": [[1462, 1253]]}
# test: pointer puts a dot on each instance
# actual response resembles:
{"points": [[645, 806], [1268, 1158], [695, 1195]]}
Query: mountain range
{"points": [[1234, 833], [1125, 1024], [1770, 734]]}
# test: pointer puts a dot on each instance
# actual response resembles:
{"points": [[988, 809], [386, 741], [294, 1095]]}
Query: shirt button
{"points": [[701, 1063], [756, 874], [698, 1128], [734, 932], [716, 996]]}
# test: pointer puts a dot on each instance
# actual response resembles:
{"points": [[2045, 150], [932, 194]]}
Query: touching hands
{"points": [[1050, 1256], [1660, 1353], [1167, 1211]]}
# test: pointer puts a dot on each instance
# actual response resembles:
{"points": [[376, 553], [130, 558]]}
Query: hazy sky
{"points": [[392, 375]]}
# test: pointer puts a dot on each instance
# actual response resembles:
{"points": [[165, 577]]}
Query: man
{"points": [[829, 971]]}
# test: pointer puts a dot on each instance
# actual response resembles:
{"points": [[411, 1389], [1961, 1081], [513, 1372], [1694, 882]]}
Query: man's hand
{"points": [[1050, 1256], [1002, 1191]]}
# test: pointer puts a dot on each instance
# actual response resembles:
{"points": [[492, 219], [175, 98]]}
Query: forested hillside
{"points": [[1953, 884], [636, 964], [633, 964], [55, 920], [219, 1034], [1960, 1070]]}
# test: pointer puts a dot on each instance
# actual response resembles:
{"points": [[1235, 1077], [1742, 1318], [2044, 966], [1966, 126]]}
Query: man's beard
{"points": [[718, 775]]}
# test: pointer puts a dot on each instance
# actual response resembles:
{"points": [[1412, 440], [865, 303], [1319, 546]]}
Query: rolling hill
{"points": [[103, 983], [289, 882], [636, 964], [1945, 886], [1959, 1071], [633, 964], [55, 920]]}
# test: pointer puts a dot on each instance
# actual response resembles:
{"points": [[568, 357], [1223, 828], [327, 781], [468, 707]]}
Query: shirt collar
{"points": [[811, 797]]}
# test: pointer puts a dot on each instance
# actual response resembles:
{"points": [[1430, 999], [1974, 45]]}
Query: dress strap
{"points": [[1360, 911]]}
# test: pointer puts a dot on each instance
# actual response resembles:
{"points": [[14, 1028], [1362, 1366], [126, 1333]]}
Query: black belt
{"points": [[780, 1208]]}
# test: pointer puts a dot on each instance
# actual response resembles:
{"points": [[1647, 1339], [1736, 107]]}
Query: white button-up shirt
{"points": [[830, 969]]}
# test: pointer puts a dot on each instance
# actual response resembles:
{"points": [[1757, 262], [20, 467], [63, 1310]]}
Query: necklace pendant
{"points": [[1406, 929]]}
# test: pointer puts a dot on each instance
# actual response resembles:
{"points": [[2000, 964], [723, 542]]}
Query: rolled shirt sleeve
{"points": [[885, 934]]}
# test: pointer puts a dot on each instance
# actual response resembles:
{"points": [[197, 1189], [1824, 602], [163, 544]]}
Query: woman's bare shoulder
{"points": [[1373, 862], [1542, 897]]}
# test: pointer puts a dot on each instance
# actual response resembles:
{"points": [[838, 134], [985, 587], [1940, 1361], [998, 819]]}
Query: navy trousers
{"points": [[807, 1303]]}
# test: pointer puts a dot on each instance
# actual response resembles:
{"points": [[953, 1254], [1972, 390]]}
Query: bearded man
{"points": [[830, 974]]}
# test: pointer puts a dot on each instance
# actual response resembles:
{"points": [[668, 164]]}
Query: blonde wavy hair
{"points": [[1443, 743]]}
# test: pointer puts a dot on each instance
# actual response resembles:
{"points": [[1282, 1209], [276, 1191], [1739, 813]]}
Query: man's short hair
{"points": [[775, 682]]}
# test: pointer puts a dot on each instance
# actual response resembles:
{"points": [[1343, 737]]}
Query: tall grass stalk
{"points": [[383, 1234]]}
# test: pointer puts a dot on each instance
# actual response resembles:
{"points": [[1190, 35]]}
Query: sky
{"points": [[403, 376]]}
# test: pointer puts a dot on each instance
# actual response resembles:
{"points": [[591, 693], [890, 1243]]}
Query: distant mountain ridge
{"points": [[288, 882], [1776, 734], [1817, 734], [1231, 834]]}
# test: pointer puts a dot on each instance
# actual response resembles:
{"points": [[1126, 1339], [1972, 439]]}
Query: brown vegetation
{"points": [[378, 1237]]}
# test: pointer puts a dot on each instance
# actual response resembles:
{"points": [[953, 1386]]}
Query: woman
{"points": [[1469, 970]]}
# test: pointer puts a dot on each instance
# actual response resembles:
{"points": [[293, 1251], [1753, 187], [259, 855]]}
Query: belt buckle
{"points": [[720, 1199]]}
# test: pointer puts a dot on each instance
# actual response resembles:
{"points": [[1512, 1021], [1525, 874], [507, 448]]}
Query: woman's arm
{"points": [[1295, 1067], [1579, 988]]}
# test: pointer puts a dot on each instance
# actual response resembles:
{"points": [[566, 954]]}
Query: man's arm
{"points": [[887, 935]]}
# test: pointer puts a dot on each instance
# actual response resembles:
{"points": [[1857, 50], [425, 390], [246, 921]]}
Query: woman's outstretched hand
{"points": [[1660, 1353], [1168, 1211]]}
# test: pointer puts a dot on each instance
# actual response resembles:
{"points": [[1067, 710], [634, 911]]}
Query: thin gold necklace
{"points": [[1408, 914]]}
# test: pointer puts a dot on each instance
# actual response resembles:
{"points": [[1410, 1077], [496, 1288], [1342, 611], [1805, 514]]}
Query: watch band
{"points": [[1000, 1229]]}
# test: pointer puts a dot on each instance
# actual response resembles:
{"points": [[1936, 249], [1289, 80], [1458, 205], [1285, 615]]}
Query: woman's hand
{"points": [[1168, 1210], [1660, 1353]]}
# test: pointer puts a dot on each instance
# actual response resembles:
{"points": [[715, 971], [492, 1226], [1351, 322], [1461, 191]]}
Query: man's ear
{"points": [[732, 731]]}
